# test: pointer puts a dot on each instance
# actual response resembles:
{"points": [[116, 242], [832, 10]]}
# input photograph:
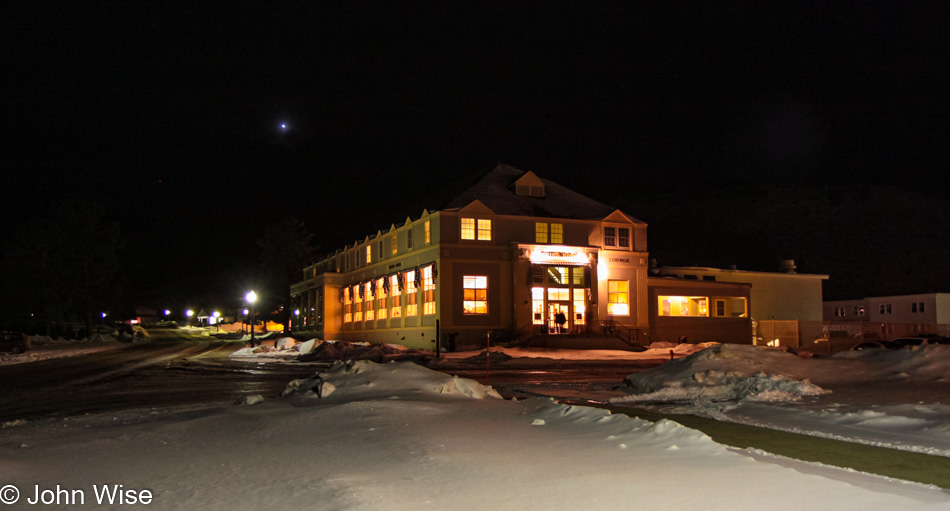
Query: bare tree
{"points": [[286, 248]]}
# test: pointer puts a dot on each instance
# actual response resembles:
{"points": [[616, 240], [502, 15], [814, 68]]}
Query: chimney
{"points": [[788, 266]]}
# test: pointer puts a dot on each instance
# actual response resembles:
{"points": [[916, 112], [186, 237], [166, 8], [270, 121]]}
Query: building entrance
{"points": [[560, 289]]}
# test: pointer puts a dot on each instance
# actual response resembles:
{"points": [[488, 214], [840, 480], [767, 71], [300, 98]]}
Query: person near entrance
{"points": [[559, 320]]}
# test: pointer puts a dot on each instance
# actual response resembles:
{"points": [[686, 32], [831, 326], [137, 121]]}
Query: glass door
{"points": [[559, 317]]}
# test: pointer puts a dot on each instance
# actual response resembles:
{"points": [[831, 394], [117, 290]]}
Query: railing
{"points": [[611, 328]]}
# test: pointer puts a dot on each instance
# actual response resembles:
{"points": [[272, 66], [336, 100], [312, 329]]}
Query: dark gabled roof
{"points": [[496, 190]]}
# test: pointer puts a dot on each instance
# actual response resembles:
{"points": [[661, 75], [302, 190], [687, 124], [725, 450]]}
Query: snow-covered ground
{"points": [[898, 399], [399, 436]]}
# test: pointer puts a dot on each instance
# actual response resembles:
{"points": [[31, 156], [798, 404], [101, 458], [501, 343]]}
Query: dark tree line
{"points": [[61, 268]]}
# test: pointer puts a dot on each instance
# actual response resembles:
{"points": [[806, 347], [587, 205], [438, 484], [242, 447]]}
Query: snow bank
{"points": [[342, 350], [725, 372], [931, 362], [364, 379]]}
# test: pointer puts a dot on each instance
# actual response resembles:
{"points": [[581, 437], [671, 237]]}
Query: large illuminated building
{"points": [[511, 255]]}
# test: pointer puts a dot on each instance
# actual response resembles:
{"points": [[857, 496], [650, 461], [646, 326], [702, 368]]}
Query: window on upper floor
{"points": [[616, 237], [395, 241], [540, 232], [428, 232], [548, 233], [476, 229], [369, 253]]}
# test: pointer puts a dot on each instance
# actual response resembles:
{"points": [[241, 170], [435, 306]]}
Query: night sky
{"points": [[170, 114]]}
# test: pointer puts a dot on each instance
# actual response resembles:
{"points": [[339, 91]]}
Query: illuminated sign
{"points": [[558, 255]]}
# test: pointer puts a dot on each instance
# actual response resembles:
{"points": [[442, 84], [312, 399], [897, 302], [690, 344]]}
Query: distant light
{"points": [[216, 314], [296, 312], [189, 313], [167, 312], [251, 297], [103, 314], [283, 126], [245, 312]]}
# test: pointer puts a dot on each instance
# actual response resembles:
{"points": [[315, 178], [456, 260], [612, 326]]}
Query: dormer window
{"points": [[529, 185], [530, 191], [617, 237]]}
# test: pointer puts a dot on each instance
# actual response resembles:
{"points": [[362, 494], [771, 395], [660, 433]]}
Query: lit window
{"points": [[468, 228], [428, 291], [369, 254], [577, 274], [558, 274], [580, 306], [412, 308], [347, 306], [396, 293], [540, 232], [537, 305], [370, 312], [475, 300], [557, 233], [482, 232], [395, 243], [358, 304], [428, 233], [617, 298], [381, 309], [484, 229]]}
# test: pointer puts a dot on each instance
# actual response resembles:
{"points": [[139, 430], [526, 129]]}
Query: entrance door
{"points": [[553, 309]]}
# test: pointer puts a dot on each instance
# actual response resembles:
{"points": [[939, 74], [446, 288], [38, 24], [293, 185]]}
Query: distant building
{"points": [[699, 311], [784, 305], [887, 317]]}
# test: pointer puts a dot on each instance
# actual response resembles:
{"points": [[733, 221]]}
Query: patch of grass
{"points": [[908, 466]]}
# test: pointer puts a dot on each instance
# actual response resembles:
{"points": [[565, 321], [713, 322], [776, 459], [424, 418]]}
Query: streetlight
{"points": [[251, 297], [189, 313], [293, 326]]}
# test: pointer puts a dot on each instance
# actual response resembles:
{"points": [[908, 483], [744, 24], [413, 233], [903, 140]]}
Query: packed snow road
{"points": [[171, 371]]}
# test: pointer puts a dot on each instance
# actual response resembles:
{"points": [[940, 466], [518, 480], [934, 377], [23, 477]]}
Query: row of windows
{"points": [[366, 301], [371, 255], [471, 229], [883, 308], [480, 229], [698, 306]]}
